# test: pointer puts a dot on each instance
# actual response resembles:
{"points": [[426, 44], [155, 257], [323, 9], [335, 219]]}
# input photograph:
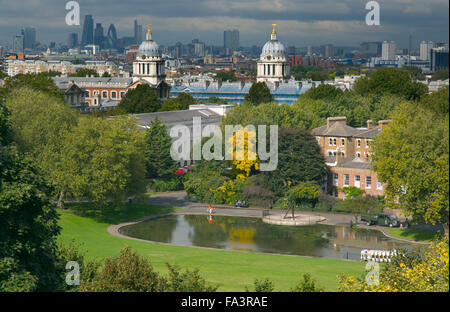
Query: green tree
{"points": [[3, 75], [226, 75], [415, 72], [142, 99], [307, 284], [85, 72], [38, 82], [299, 160], [104, 160], [106, 75], [440, 75], [28, 223], [304, 194], [40, 125], [412, 155], [259, 93], [323, 91], [157, 151], [390, 81]]}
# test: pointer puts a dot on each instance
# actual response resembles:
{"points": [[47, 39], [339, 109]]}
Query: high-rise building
{"points": [[111, 37], [438, 59], [88, 31], [370, 48], [231, 41], [72, 41], [1, 51], [29, 37], [309, 50], [425, 50], [388, 50], [291, 50], [98, 35], [138, 33], [18, 44], [329, 51], [199, 49]]}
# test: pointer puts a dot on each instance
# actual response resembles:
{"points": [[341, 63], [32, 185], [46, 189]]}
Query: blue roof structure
{"points": [[234, 92]]}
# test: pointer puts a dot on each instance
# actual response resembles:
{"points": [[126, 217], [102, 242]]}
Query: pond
{"points": [[251, 234]]}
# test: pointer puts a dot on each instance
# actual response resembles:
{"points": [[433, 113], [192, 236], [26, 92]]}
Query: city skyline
{"points": [[301, 23]]}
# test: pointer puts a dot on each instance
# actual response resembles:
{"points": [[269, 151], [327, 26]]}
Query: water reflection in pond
{"points": [[251, 234]]}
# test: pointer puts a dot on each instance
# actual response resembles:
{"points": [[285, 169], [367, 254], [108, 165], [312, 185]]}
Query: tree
{"points": [[408, 272], [38, 82], [415, 72], [3, 75], [259, 93], [440, 75], [181, 102], [106, 75], [40, 124], [142, 99], [28, 223], [304, 193], [157, 151], [411, 155], [104, 160], [299, 160], [390, 81], [323, 91], [226, 75], [307, 284], [85, 72]]}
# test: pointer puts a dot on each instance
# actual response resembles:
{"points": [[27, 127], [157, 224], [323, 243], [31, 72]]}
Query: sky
{"points": [[300, 22]]}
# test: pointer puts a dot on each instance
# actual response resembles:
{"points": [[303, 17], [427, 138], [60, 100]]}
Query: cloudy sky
{"points": [[301, 22]]}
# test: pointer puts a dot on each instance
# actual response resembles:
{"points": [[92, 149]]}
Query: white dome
{"points": [[149, 48], [273, 48]]}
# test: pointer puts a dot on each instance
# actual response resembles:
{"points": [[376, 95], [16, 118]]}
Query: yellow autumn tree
{"points": [[243, 144], [426, 273]]}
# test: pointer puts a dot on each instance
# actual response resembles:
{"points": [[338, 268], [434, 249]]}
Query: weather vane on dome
{"points": [[273, 31], [149, 31]]}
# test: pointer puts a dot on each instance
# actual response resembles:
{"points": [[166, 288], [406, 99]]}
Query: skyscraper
{"points": [[111, 37], [72, 41], [18, 44], [425, 50], [138, 35], [370, 48], [329, 51], [231, 41], [388, 50], [29, 37], [98, 35], [88, 31]]}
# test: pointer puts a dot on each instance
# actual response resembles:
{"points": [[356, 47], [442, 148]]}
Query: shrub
{"points": [[173, 184], [265, 285], [307, 284], [359, 205]]}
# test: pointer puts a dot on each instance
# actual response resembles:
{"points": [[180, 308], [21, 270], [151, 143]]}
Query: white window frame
{"points": [[379, 186], [357, 181], [368, 186], [346, 179], [358, 142], [335, 179], [342, 142], [358, 154]]}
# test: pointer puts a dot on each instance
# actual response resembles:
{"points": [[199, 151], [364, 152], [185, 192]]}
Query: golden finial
{"points": [[273, 30], [149, 32]]}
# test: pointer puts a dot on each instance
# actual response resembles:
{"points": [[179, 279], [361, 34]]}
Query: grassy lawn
{"points": [[231, 269], [417, 235]]}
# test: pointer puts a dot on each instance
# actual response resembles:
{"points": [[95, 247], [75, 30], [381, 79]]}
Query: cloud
{"points": [[301, 22]]}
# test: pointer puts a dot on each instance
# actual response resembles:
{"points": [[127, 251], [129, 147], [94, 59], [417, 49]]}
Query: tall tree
{"points": [[259, 93], [85, 72], [412, 156], [104, 160], [40, 124], [38, 82], [157, 151], [28, 223], [142, 99]]}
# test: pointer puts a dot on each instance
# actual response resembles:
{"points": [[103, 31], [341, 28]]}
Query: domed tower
{"points": [[149, 65], [273, 65]]}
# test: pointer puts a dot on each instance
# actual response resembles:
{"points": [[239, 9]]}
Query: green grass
{"points": [[232, 270], [416, 235]]}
